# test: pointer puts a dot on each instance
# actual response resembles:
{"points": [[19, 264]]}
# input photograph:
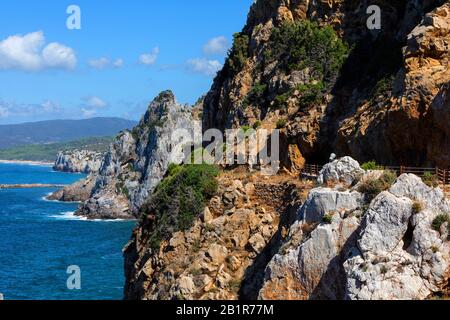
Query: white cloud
{"points": [[29, 53], [118, 63], [94, 102], [149, 58], [218, 45], [13, 109], [88, 113], [91, 105], [204, 66], [99, 63], [4, 112], [103, 63]]}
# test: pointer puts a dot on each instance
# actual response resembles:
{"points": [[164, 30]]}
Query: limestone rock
{"points": [[138, 160], [401, 257], [322, 201], [82, 161], [346, 170], [217, 253], [257, 242], [77, 192], [392, 253]]}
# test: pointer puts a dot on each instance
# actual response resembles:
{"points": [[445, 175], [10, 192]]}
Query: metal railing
{"points": [[442, 175]]}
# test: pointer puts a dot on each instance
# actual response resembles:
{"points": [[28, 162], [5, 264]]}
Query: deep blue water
{"points": [[40, 239]]}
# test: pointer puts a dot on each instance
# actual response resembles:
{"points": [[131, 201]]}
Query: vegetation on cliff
{"points": [[303, 44], [179, 199]]}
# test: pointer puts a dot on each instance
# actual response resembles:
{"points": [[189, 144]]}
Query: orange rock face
{"points": [[390, 103]]}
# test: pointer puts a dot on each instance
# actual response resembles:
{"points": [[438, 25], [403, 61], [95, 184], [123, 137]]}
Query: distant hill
{"points": [[48, 152], [56, 131]]}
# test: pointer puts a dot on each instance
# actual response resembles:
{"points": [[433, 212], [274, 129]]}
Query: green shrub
{"points": [[281, 123], [303, 44], [238, 55], [384, 270], [196, 246], [245, 128], [430, 179], [173, 169], [440, 220], [209, 228], [257, 124], [121, 188], [256, 96], [373, 187], [383, 86], [179, 199], [327, 219], [417, 207], [311, 94], [196, 272], [280, 101], [371, 165]]}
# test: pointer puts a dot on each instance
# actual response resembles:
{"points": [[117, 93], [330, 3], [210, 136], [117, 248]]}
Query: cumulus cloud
{"points": [[118, 63], [14, 110], [91, 105], [149, 58], [218, 45], [29, 53], [204, 66], [94, 102], [103, 63], [99, 63], [88, 113], [4, 112]]}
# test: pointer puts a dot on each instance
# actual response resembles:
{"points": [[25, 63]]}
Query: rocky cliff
{"points": [[314, 69], [358, 235], [391, 247], [80, 191], [82, 161], [138, 160], [231, 240]]}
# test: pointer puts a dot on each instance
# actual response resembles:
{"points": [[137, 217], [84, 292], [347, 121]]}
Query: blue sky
{"points": [[125, 54]]}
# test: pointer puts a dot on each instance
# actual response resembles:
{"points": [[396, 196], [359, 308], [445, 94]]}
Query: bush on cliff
{"points": [[430, 179], [179, 199], [238, 55], [373, 187], [303, 44], [440, 220]]}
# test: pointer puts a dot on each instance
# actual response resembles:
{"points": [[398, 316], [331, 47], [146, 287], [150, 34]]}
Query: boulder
{"points": [[257, 242], [217, 253], [345, 170], [321, 201]]}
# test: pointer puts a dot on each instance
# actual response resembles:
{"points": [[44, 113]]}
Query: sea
{"points": [[47, 253]]}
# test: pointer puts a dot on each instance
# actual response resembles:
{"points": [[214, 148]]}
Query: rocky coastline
{"points": [[78, 161]]}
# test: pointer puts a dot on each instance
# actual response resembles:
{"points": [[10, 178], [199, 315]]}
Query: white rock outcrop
{"points": [[138, 160], [380, 250], [401, 255], [82, 161], [345, 170]]}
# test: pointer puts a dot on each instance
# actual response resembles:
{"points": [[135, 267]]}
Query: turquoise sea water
{"points": [[40, 239]]}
